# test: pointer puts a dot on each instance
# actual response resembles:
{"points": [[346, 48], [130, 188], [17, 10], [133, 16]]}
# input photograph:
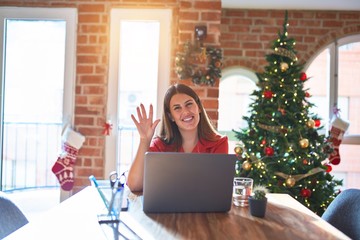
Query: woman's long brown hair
{"points": [[170, 133]]}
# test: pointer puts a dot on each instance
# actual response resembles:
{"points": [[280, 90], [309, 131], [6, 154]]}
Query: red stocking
{"points": [[64, 165], [337, 130]]}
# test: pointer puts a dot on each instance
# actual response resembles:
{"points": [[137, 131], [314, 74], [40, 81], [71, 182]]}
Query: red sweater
{"points": [[203, 146]]}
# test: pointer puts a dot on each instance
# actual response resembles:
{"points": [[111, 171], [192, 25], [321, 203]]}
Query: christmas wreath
{"points": [[201, 64]]}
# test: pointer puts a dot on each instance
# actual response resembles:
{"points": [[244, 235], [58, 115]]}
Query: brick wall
{"points": [[244, 36]]}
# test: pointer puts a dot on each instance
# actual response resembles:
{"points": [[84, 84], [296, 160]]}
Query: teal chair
{"points": [[11, 217], [344, 213]]}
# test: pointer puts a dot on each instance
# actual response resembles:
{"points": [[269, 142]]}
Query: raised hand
{"points": [[144, 123]]}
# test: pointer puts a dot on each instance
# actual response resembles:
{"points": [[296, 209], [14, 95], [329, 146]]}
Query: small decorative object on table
{"points": [[258, 201]]}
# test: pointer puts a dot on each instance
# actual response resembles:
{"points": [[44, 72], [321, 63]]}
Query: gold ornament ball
{"points": [[290, 181], [304, 143], [246, 165], [238, 150], [284, 66], [310, 123]]}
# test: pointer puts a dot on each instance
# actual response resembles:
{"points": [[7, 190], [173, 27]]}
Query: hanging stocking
{"points": [[64, 165], [337, 130]]}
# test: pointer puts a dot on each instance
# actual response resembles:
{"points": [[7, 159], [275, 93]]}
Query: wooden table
{"points": [[76, 218], [285, 218]]}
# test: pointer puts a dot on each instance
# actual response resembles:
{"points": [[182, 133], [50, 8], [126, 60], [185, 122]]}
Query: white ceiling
{"points": [[293, 4]]}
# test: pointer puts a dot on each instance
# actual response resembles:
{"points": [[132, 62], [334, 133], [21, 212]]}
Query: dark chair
{"points": [[11, 218], [344, 213]]}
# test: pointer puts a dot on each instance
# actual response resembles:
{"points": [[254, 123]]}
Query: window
{"points": [[335, 80], [38, 72], [234, 98], [139, 73]]}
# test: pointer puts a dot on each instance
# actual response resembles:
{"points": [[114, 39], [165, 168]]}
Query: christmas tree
{"points": [[281, 147]]}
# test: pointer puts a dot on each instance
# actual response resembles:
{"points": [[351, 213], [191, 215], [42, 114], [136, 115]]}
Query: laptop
{"points": [[188, 182]]}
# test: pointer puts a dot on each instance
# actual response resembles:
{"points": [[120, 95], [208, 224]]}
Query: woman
{"points": [[185, 128]]}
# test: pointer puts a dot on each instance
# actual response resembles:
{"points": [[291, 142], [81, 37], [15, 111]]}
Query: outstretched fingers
{"points": [[143, 111], [144, 122], [156, 122], [151, 114]]}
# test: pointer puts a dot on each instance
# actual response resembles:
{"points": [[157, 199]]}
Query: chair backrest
{"points": [[344, 213], [11, 217]]}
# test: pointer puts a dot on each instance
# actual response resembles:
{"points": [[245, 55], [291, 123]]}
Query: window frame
{"points": [[164, 16], [353, 139], [226, 73], [69, 15]]}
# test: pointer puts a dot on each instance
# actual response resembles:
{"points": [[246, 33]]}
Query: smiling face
{"points": [[184, 112]]}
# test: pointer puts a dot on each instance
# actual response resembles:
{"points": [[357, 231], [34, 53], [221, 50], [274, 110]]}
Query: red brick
{"points": [[251, 45], [349, 15], [87, 59], [84, 121], [94, 89], [332, 24], [258, 13], [241, 21], [211, 16], [83, 69], [207, 5], [80, 100], [91, 8], [92, 79], [88, 28], [326, 15], [211, 104], [81, 110], [189, 16], [97, 100], [89, 18]]}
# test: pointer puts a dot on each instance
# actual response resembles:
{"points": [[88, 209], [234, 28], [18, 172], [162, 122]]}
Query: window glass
{"points": [[234, 99], [139, 53], [139, 70], [318, 84], [33, 101], [138, 75], [349, 85], [335, 78], [34, 71]]}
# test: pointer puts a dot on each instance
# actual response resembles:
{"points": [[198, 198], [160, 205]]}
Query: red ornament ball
{"points": [[269, 151], [305, 192], [303, 76], [317, 122], [305, 161], [268, 94], [328, 168], [307, 94]]}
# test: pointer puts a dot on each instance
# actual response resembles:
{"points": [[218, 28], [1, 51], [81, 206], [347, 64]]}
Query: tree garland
{"points": [[201, 64]]}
